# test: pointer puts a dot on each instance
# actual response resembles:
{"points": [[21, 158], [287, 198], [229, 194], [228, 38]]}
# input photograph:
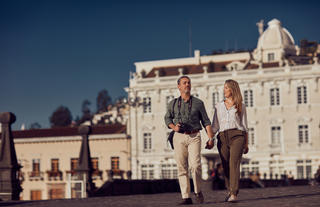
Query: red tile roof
{"points": [[68, 131]]}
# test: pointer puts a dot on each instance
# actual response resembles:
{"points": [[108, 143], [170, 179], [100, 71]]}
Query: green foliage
{"points": [[103, 101], [61, 117]]}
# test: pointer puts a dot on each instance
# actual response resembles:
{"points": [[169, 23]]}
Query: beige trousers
{"points": [[230, 146], [187, 149]]}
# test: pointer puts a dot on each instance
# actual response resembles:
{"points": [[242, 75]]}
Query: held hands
{"points": [[176, 128], [209, 144]]}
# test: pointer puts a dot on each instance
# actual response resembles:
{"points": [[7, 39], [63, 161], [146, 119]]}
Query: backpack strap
{"points": [[174, 103]]}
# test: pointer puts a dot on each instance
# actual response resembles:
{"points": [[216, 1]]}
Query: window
{"points": [[169, 171], [255, 166], [304, 169], [95, 163], [147, 145], [115, 163], [302, 94], [146, 105], [57, 191], [303, 134], [36, 167], [35, 195], [251, 137], [54, 165], [73, 164], [245, 170], [308, 169], [248, 98], [274, 96], [276, 168], [215, 98], [275, 135], [147, 172], [270, 57]]}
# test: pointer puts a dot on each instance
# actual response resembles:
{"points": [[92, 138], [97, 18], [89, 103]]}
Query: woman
{"points": [[230, 120]]}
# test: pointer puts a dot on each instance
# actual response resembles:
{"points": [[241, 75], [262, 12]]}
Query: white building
{"points": [[279, 87], [49, 158]]}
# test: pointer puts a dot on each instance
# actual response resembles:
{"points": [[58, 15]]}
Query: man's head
{"points": [[184, 85]]}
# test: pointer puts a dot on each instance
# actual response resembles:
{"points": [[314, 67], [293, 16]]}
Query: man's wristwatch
{"points": [[211, 139]]}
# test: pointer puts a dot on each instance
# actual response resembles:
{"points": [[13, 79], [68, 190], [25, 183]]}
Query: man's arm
{"points": [[210, 142]]}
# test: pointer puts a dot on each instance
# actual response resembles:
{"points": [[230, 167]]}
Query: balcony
{"points": [[116, 173], [55, 175], [36, 176], [96, 174]]}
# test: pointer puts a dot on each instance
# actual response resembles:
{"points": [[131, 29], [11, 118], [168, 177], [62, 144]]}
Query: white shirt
{"points": [[224, 119]]}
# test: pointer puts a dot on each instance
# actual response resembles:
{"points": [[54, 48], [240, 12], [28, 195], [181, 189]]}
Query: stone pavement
{"points": [[292, 196]]}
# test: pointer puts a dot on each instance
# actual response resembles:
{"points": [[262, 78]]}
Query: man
{"points": [[184, 116]]}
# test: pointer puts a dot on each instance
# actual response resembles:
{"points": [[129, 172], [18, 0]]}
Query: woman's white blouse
{"points": [[224, 119]]}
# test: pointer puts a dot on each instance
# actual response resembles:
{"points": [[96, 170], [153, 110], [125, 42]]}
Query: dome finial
{"points": [[260, 25]]}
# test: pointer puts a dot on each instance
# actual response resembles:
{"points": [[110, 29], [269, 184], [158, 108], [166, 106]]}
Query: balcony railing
{"points": [[36, 175], [115, 174], [55, 175], [97, 174]]}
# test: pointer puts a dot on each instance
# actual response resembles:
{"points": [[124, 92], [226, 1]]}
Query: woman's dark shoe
{"points": [[185, 201]]}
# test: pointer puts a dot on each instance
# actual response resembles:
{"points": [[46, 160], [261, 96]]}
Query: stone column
{"points": [[9, 182], [84, 169]]}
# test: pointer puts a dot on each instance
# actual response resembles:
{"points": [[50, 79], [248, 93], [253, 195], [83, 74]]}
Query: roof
{"points": [[190, 69], [276, 36], [68, 131]]}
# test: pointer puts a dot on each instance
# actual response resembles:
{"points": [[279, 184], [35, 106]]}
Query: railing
{"points": [[36, 175], [55, 175], [271, 70], [97, 174]]}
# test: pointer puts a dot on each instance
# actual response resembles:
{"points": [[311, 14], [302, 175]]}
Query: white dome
{"points": [[275, 36]]}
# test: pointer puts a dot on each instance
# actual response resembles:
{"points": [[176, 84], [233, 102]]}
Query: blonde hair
{"points": [[235, 94]]}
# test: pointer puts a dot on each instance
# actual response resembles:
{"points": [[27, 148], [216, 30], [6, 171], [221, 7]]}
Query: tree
{"points": [[86, 112], [103, 100], [61, 117], [35, 125]]}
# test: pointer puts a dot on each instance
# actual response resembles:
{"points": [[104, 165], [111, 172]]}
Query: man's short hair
{"points": [[184, 76]]}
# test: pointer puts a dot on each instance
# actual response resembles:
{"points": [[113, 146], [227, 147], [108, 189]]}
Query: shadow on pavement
{"points": [[13, 203]]}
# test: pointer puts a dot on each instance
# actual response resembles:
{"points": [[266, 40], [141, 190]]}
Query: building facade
{"points": [[49, 158], [280, 88]]}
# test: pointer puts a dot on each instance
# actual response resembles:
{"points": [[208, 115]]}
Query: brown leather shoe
{"points": [[199, 197], [185, 201]]}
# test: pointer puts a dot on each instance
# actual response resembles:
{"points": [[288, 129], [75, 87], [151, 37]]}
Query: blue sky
{"points": [[56, 53]]}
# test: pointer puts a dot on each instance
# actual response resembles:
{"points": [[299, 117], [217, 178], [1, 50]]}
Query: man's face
{"points": [[184, 86]]}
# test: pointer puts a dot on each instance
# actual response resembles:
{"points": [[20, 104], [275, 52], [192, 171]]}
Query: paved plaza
{"points": [[293, 196]]}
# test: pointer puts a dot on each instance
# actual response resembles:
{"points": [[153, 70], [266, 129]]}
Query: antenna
{"points": [[190, 39], [235, 45], [226, 45]]}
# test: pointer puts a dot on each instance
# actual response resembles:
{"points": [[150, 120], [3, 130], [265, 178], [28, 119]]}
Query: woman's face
{"points": [[227, 91]]}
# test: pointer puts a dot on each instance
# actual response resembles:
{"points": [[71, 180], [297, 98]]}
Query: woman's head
{"points": [[232, 90]]}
